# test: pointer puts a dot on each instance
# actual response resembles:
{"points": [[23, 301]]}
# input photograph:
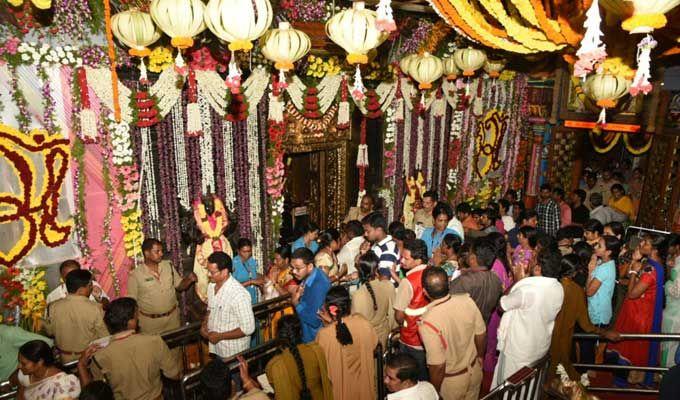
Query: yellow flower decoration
{"points": [[160, 59], [615, 66]]}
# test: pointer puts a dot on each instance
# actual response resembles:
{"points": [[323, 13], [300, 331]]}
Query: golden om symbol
{"points": [[488, 139], [36, 208]]}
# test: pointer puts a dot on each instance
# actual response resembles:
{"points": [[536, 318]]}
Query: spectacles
{"points": [[215, 272]]}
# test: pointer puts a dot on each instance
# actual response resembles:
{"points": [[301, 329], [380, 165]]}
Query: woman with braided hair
{"points": [[375, 296], [300, 371], [348, 342]]}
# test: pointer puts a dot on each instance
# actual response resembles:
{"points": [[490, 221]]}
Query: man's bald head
{"points": [[435, 283]]}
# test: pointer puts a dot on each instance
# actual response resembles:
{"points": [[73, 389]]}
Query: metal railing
{"points": [[525, 384], [616, 367]]}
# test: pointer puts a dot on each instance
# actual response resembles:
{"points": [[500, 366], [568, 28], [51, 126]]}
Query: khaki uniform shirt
{"points": [[155, 296], [454, 321], [424, 218], [132, 365], [75, 321]]}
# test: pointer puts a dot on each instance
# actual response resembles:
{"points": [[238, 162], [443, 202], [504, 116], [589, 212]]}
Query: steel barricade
{"points": [[616, 367], [525, 384]]}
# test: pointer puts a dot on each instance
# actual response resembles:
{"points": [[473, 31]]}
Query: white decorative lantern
{"points": [[451, 70], [426, 69], [179, 19], [405, 63], [136, 30], [605, 89], [285, 46], [355, 31], [238, 22], [494, 68], [469, 60], [648, 15]]}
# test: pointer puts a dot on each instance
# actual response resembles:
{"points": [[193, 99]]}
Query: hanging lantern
{"points": [[494, 68], [404, 63], [136, 30], [355, 31], [605, 89], [284, 46], [469, 60], [238, 22], [179, 19], [451, 70], [648, 15], [426, 69]]}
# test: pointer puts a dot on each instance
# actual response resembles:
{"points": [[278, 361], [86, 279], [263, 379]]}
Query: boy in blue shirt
{"points": [[245, 269]]}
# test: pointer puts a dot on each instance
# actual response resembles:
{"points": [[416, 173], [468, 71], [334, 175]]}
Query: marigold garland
{"points": [[112, 60], [36, 207]]}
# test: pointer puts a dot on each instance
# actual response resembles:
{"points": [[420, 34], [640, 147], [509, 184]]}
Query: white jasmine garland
{"points": [[148, 184], [229, 180], [328, 89], [254, 189], [206, 145], [180, 156], [407, 139], [166, 92]]}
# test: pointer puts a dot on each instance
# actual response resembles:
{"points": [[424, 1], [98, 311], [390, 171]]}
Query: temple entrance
{"points": [[315, 186]]}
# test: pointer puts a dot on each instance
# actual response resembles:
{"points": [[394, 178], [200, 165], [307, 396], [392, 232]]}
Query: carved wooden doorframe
{"points": [[321, 136]]}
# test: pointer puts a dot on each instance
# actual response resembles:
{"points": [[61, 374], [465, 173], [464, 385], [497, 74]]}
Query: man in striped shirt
{"points": [[375, 232]]}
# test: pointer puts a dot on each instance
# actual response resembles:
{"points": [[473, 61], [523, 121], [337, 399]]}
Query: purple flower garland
{"points": [[413, 145], [427, 136], [168, 183], [241, 177], [265, 211], [399, 169], [218, 154]]}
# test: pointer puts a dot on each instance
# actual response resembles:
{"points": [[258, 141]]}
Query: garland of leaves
{"points": [[106, 242], [23, 118]]}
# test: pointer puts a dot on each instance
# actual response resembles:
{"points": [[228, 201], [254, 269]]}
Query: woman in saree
{"points": [[671, 314], [40, 378], [641, 311], [501, 267]]}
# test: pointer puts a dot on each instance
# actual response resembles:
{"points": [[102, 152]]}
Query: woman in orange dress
{"points": [[348, 341], [279, 281]]}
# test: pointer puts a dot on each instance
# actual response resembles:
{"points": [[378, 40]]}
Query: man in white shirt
{"points": [[60, 291], [375, 232], [401, 378], [353, 237], [229, 321], [529, 316], [457, 227], [602, 212]]}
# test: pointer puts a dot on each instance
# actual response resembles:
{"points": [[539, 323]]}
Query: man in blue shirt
{"points": [[310, 234], [245, 269], [311, 294]]}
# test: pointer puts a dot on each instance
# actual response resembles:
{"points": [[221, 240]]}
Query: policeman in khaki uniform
{"points": [[130, 363], [75, 321], [154, 285], [454, 336]]}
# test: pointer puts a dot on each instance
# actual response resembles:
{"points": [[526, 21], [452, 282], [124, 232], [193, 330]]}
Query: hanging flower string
{"points": [[194, 128], [362, 161], [88, 119], [592, 51], [385, 20], [358, 89], [343, 108], [233, 80], [106, 241], [641, 82]]}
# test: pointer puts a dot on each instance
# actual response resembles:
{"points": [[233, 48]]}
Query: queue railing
{"points": [[189, 334], [525, 384], [615, 367]]}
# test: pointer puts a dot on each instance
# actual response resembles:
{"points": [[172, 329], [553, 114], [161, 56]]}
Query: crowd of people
{"points": [[471, 292]]}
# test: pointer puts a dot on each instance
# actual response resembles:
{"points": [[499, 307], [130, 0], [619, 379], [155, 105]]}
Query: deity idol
{"points": [[415, 187], [212, 220]]}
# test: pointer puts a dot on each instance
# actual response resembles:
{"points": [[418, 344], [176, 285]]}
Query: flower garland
{"points": [[25, 290], [182, 175], [70, 18], [229, 181], [327, 91], [145, 112], [254, 189], [160, 59], [206, 146], [106, 241], [387, 193], [149, 185], [317, 67], [275, 174], [80, 217], [127, 185], [23, 118], [35, 207]]}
